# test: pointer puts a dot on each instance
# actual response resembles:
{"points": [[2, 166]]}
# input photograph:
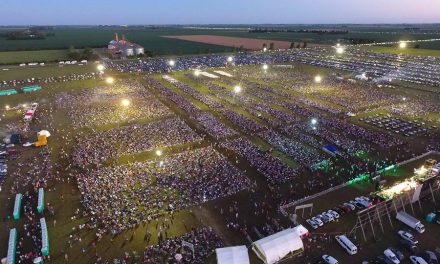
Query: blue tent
{"points": [[331, 149]]}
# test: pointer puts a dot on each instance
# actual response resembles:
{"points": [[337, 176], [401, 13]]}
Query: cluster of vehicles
{"points": [[407, 242], [388, 67], [72, 62], [319, 220], [3, 165], [345, 243], [390, 255], [398, 125]]}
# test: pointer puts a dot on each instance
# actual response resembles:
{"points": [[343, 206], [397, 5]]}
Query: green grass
{"points": [[408, 51], [20, 73], [17, 57], [151, 39]]}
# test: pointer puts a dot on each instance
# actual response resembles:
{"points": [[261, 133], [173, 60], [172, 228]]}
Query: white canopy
{"points": [[232, 255], [275, 247], [301, 231]]}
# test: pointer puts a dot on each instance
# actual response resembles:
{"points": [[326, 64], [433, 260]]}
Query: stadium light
{"points": [[264, 49], [265, 67], [197, 73], [230, 59], [24, 105], [125, 102], [237, 89], [159, 152], [109, 80], [340, 50], [404, 98], [318, 79], [314, 121], [403, 44], [172, 63], [7, 107], [338, 45], [100, 67]]}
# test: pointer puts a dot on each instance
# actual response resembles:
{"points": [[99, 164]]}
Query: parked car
{"points": [[398, 253], [323, 218], [410, 246], [430, 257], [345, 208], [330, 217], [407, 236], [333, 213], [318, 221], [312, 223], [417, 260], [329, 259], [339, 210], [391, 256], [352, 207]]}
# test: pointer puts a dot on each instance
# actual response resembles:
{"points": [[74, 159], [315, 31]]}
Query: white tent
{"points": [[301, 231], [275, 247], [232, 255]]}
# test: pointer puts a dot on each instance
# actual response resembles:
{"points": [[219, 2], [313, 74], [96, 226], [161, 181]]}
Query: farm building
{"points": [[125, 47]]}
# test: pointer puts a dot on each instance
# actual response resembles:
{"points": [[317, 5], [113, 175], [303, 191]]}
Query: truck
{"points": [[410, 221]]}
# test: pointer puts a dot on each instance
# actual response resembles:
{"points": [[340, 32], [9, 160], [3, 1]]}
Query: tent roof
{"points": [[301, 230], [232, 255], [275, 247]]}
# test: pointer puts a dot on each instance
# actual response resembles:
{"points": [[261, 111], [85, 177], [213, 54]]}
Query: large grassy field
{"points": [[64, 195], [16, 57], [152, 40], [409, 51], [21, 73]]}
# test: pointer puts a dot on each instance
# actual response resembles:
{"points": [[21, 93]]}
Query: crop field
{"points": [[17, 57], [159, 159], [246, 43]]}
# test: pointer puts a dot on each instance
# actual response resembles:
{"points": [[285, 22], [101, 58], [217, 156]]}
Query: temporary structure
{"points": [[42, 138], [301, 231], [277, 246], [232, 255]]}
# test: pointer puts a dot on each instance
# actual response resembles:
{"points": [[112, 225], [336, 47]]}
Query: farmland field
{"points": [[16, 57], [151, 38], [247, 43]]}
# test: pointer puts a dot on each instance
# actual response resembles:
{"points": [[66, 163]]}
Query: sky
{"points": [[158, 12]]}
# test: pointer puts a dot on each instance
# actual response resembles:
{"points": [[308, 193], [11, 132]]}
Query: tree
{"points": [[272, 46], [292, 45], [417, 46], [305, 45], [264, 45], [298, 46], [241, 48]]}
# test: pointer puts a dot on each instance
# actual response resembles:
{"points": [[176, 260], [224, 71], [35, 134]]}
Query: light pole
{"points": [[318, 79]]}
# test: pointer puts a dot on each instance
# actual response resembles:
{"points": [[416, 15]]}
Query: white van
{"points": [[346, 244]]}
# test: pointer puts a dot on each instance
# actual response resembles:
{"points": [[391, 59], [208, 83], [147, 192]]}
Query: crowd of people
{"points": [[213, 126], [99, 146], [53, 79], [271, 167], [383, 67], [123, 196], [174, 251], [103, 105], [300, 153]]}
